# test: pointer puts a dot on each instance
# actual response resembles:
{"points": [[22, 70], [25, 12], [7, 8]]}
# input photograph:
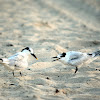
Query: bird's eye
{"points": [[27, 48]]}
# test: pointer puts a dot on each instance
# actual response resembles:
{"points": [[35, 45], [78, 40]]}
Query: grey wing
{"points": [[78, 58], [18, 61], [75, 55]]}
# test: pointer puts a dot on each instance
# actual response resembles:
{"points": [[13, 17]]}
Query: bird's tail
{"points": [[95, 54]]}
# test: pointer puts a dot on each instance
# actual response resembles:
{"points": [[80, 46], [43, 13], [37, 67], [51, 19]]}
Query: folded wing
{"points": [[77, 58]]}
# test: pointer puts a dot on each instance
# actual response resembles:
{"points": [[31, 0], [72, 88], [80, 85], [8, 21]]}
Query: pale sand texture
{"points": [[50, 27]]}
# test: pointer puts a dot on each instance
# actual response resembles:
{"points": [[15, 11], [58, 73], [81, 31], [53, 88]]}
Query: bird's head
{"points": [[29, 50], [60, 56]]}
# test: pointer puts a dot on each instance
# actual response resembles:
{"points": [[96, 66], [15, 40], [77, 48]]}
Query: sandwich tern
{"points": [[76, 59], [18, 61]]}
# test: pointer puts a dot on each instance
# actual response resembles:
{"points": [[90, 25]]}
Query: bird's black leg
{"points": [[76, 69], [13, 74], [20, 74]]}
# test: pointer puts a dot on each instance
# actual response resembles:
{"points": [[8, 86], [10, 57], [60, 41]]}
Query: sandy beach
{"points": [[50, 27]]}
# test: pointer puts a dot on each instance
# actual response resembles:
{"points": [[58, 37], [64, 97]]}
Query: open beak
{"points": [[56, 59], [34, 55]]}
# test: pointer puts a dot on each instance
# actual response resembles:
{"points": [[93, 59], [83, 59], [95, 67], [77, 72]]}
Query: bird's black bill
{"points": [[34, 56], [56, 59]]}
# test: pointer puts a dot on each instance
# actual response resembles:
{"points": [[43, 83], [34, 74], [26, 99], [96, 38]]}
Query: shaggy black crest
{"points": [[27, 48], [63, 54]]}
